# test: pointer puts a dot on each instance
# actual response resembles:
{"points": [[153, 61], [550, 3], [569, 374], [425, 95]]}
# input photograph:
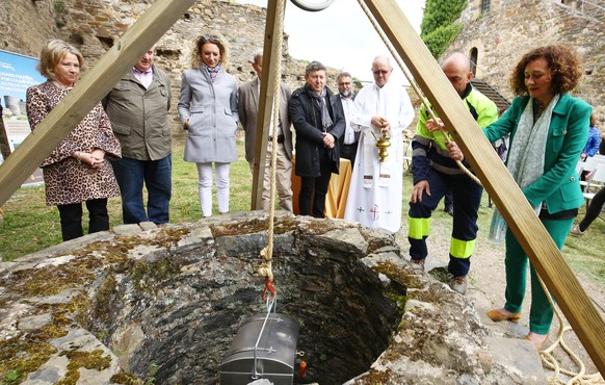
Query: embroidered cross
{"points": [[360, 209], [375, 212]]}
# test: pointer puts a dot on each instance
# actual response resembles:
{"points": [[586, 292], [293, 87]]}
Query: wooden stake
{"points": [[273, 38], [89, 90], [511, 202]]}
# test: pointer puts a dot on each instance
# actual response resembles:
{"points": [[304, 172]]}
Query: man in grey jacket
{"points": [[137, 107], [248, 111]]}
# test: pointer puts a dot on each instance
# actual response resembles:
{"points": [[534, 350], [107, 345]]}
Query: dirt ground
{"points": [[487, 282]]}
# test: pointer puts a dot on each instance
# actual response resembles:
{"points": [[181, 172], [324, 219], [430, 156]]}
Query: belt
{"points": [[280, 138]]}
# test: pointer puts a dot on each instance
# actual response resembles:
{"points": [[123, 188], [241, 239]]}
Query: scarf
{"points": [[320, 102], [213, 72], [526, 158]]}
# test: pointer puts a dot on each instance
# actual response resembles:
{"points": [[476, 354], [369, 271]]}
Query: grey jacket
{"points": [[248, 112], [139, 116], [212, 112]]}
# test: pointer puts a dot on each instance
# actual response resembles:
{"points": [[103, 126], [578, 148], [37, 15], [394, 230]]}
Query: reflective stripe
{"points": [[462, 249], [419, 152], [418, 228]]}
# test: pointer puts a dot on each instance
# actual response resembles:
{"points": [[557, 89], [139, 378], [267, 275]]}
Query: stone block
{"points": [[125, 230], [35, 322], [148, 226]]}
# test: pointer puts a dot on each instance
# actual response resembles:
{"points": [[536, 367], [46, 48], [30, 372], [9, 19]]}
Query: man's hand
{"points": [[419, 189], [455, 151], [328, 140], [186, 124], [435, 125]]}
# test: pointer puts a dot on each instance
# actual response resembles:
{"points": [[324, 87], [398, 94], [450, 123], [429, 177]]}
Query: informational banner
{"points": [[17, 73]]}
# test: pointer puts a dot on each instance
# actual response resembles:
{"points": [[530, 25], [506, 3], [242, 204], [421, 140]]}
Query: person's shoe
{"points": [[417, 265], [536, 339], [575, 231], [498, 315], [458, 284]]}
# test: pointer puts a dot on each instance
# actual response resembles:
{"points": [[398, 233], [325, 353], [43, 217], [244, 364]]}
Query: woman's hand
{"points": [[88, 159], [98, 157]]}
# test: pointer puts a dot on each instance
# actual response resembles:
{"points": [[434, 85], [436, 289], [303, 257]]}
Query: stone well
{"points": [[162, 306]]}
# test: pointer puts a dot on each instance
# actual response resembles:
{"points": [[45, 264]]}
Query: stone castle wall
{"points": [[95, 25], [512, 27]]}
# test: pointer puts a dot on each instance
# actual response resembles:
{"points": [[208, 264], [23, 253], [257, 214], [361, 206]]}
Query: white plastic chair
{"points": [[596, 180]]}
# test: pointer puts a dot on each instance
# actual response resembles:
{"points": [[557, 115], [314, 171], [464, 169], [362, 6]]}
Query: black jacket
{"points": [[306, 118]]}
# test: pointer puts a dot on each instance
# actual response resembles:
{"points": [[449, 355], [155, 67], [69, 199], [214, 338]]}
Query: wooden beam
{"points": [[511, 202], [94, 85], [271, 61]]}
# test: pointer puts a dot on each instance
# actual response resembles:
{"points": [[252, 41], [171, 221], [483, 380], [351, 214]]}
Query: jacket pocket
{"points": [[570, 191], [121, 129]]}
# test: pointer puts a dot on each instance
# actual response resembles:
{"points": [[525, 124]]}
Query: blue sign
{"points": [[17, 74]]}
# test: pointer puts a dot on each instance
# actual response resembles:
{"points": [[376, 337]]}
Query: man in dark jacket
{"points": [[318, 119], [138, 109]]}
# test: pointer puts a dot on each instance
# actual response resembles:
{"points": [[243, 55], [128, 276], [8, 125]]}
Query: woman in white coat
{"points": [[208, 110]]}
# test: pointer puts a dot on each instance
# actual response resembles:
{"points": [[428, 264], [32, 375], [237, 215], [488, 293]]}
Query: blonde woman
{"points": [[78, 169], [208, 110]]}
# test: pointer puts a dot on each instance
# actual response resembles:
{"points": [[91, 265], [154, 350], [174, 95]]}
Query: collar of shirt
{"points": [[145, 77]]}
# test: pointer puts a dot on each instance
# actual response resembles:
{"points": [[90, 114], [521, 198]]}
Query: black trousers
{"points": [[313, 190], [594, 209], [348, 151], [71, 218]]}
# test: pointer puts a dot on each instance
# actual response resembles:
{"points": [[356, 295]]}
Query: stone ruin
{"points": [[161, 306]]}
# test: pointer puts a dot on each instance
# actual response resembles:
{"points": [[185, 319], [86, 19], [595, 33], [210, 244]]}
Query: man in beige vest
{"points": [[248, 101]]}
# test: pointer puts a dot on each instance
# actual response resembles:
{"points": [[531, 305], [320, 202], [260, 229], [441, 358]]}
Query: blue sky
{"points": [[340, 36]]}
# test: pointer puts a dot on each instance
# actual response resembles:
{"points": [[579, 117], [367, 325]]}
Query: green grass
{"points": [[29, 225]]}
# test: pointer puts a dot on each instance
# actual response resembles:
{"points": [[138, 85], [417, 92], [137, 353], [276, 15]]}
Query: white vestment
{"points": [[376, 189]]}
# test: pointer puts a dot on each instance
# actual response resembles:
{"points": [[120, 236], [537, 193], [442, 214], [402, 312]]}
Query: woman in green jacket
{"points": [[548, 129]]}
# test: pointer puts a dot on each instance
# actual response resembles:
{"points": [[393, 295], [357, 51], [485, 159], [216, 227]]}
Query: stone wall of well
{"points": [[512, 27]]}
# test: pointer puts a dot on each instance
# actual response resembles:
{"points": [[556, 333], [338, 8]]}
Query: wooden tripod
{"points": [[509, 199]]}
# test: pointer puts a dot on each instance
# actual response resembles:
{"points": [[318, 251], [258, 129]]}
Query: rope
{"points": [[265, 269], [421, 96], [550, 362]]}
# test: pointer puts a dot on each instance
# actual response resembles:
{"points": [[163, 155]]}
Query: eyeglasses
{"points": [[380, 72]]}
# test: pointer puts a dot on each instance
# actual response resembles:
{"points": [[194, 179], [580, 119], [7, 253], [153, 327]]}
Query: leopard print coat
{"points": [[67, 180]]}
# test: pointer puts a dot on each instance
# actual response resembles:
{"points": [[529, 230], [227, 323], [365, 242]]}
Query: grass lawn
{"points": [[29, 225]]}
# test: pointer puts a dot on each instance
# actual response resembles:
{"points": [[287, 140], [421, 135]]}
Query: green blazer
{"points": [[559, 186]]}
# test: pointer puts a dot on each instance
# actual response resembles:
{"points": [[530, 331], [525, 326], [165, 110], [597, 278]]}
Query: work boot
{"points": [[458, 284], [417, 265], [575, 231]]}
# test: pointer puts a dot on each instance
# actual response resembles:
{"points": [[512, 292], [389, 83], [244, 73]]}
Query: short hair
{"points": [[593, 120], [212, 39], [562, 61], [51, 54], [313, 67], [343, 75]]}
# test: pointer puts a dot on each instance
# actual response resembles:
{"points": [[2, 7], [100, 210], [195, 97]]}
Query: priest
{"points": [[383, 110]]}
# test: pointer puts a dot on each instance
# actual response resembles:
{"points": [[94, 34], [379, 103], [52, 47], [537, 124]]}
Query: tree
{"points": [[439, 27]]}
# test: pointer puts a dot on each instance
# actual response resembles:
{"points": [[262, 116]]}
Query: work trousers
{"points": [[466, 199], [71, 218], [516, 261], [205, 187]]}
